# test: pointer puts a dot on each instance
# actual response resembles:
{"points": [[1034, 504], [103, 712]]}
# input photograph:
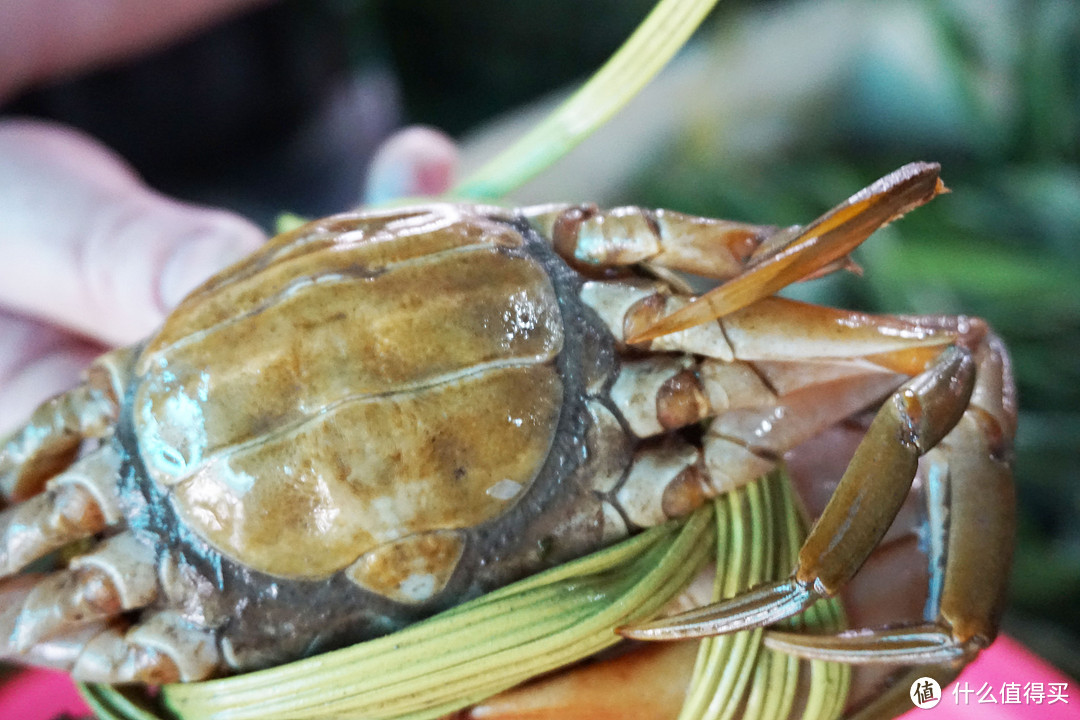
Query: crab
{"points": [[381, 414]]}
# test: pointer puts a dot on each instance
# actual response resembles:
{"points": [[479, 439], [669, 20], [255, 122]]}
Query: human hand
{"points": [[92, 258]]}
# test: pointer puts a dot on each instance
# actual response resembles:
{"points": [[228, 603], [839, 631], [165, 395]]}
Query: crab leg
{"points": [[823, 243], [162, 650], [775, 374], [777, 329], [77, 503], [971, 485], [590, 239], [754, 425], [72, 620], [60, 653], [755, 261], [946, 399], [118, 576], [863, 505], [111, 656], [81, 631], [48, 442]]}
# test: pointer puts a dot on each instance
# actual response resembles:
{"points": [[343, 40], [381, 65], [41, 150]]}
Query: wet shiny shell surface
{"points": [[384, 409], [354, 391]]}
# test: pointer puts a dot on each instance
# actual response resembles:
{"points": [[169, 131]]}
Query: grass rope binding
{"points": [[545, 622], [759, 532], [462, 655]]}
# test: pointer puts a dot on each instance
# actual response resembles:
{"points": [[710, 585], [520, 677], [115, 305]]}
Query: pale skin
{"points": [[94, 258]]}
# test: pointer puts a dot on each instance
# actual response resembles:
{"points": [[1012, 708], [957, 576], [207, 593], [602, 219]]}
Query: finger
{"points": [[36, 362], [39, 40], [86, 245], [415, 162]]}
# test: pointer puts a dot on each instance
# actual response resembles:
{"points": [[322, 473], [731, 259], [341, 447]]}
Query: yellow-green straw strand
{"points": [[495, 642], [735, 673], [483, 615], [641, 57], [468, 659]]}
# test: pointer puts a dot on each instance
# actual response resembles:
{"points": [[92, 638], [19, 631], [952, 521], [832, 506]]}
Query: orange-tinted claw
{"points": [[826, 241]]}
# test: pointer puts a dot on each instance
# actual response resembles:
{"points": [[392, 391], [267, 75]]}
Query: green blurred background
{"points": [[775, 112]]}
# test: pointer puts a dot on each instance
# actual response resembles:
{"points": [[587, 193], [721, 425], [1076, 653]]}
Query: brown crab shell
{"points": [[394, 399]]}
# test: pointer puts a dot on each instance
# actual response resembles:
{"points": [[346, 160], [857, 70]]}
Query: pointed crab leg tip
{"points": [[902, 190], [902, 646], [913, 169], [759, 606]]}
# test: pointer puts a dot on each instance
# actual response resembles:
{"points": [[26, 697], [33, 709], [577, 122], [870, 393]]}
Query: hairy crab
{"points": [[381, 414]]}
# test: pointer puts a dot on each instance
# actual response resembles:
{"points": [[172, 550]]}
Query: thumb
{"points": [[86, 245]]}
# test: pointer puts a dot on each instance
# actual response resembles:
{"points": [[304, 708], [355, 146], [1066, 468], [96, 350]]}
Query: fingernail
{"points": [[196, 258]]}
